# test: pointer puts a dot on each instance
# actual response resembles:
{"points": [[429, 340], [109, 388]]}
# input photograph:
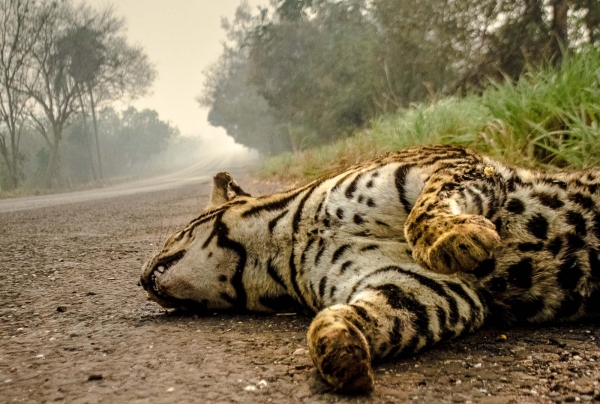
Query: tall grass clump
{"points": [[549, 118]]}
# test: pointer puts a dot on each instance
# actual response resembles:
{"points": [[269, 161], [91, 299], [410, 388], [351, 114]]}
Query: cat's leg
{"points": [[450, 227], [393, 311]]}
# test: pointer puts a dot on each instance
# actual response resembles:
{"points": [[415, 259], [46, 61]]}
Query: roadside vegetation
{"points": [[549, 118], [314, 85]]}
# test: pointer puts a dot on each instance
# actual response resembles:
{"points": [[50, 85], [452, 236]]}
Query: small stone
{"points": [[585, 397], [8, 381], [40, 356], [250, 388], [13, 370], [262, 384], [170, 389], [61, 309], [300, 351], [501, 338], [111, 278], [477, 365], [95, 376]]}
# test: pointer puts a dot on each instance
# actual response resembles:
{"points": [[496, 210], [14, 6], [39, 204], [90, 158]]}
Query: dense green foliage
{"points": [[549, 118], [302, 73]]}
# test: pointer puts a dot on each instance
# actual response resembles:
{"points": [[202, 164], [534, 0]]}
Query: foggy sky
{"points": [[182, 38]]}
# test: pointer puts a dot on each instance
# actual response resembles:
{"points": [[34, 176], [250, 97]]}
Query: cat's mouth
{"points": [[150, 280]]}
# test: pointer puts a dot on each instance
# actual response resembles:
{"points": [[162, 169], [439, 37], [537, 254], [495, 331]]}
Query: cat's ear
{"points": [[225, 189]]}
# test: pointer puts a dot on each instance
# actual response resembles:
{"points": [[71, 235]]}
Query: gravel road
{"points": [[75, 328]]}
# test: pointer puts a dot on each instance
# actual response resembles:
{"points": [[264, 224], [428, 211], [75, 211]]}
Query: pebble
{"points": [[250, 388], [170, 389], [93, 377], [262, 384], [300, 351]]}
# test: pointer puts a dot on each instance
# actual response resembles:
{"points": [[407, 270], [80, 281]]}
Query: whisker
{"points": [[168, 229]]}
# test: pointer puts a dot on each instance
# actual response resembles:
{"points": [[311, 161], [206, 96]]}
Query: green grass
{"points": [[547, 119]]}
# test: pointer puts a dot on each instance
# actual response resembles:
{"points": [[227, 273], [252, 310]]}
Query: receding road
{"points": [[200, 172]]}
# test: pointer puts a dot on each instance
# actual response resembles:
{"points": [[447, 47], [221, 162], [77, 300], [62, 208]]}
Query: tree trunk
{"points": [[560, 35], [87, 137], [95, 129], [592, 20], [54, 170], [12, 174], [53, 166]]}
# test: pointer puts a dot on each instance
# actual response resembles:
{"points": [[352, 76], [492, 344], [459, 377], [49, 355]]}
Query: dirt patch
{"points": [[74, 327]]}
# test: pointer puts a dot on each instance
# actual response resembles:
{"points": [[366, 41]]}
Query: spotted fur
{"points": [[393, 255]]}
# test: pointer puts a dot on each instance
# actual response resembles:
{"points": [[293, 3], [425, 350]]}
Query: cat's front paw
{"points": [[340, 352], [461, 246]]}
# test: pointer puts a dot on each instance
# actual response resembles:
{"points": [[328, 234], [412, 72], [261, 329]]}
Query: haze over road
{"points": [[201, 172]]}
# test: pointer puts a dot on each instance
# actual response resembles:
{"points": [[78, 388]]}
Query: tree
{"points": [[239, 109], [134, 137], [54, 91], [82, 49], [106, 67], [81, 52], [321, 73], [233, 103], [560, 34], [20, 27], [418, 58]]}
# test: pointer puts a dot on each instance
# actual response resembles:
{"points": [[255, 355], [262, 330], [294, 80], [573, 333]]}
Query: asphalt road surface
{"points": [[75, 328]]}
